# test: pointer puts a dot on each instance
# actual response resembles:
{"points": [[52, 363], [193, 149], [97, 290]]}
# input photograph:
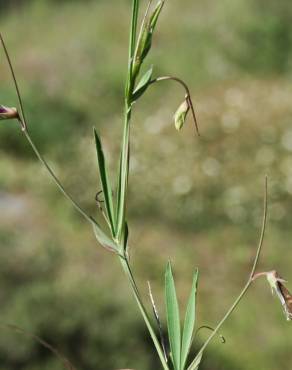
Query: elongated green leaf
{"points": [[144, 42], [189, 323], [196, 363], [143, 84], [150, 29], [104, 240], [173, 320], [105, 183], [155, 15]]}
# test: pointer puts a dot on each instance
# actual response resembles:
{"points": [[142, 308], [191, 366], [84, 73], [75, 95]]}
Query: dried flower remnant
{"points": [[8, 113], [278, 287]]}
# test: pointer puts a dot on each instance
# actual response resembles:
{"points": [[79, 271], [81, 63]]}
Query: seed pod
{"points": [[181, 114], [8, 113]]}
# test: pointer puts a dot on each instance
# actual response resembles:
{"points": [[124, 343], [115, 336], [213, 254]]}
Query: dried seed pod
{"points": [[285, 297]]}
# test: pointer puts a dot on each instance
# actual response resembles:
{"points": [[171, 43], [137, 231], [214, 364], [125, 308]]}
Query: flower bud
{"points": [[8, 113], [181, 114]]}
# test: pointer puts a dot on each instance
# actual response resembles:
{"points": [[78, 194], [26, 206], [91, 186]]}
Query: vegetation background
{"points": [[195, 201]]}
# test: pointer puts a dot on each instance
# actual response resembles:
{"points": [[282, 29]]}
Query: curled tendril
{"points": [[222, 338]]}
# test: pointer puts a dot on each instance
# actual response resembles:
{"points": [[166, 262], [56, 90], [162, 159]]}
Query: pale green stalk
{"points": [[123, 180], [129, 274]]}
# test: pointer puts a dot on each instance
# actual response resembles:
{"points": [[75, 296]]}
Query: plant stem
{"points": [[250, 279], [124, 177], [135, 291], [125, 152]]}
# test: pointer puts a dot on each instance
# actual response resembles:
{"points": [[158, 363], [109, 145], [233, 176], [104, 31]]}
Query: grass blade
{"points": [[105, 183], [173, 320], [155, 15], [189, 323]]}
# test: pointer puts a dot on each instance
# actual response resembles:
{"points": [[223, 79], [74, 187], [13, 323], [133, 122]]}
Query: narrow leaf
{"points": [[144, 42], [196, 363], [189, 323], [143, 84], [105, 183], [155, 15], [173, 320]]}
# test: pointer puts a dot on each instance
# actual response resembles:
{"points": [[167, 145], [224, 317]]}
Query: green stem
{"points": [[125, 152], [129, 274]]}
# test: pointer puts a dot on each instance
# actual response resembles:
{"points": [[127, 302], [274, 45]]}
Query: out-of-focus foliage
{"points": [[201, 208]]}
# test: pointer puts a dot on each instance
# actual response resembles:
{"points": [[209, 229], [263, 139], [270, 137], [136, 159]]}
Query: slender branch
{"points": [[249, 282], [66, 363], [23, 123], [256, 260], [23, 119], [57, 181], [188, 95]]}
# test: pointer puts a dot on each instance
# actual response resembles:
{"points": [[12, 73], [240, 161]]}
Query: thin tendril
{"points": [[23, 123], [223, 340], [66, 363], [249, 282]]}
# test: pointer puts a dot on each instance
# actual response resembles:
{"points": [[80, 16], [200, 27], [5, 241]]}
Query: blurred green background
{"points": [[195, 201]]}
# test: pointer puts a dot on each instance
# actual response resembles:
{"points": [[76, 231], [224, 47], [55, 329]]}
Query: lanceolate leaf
{"points": [[189, 323], [196, 363], [173, 320], [143, 84], [145, 38], [105, 183], [155, 15], [150, 29]]}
